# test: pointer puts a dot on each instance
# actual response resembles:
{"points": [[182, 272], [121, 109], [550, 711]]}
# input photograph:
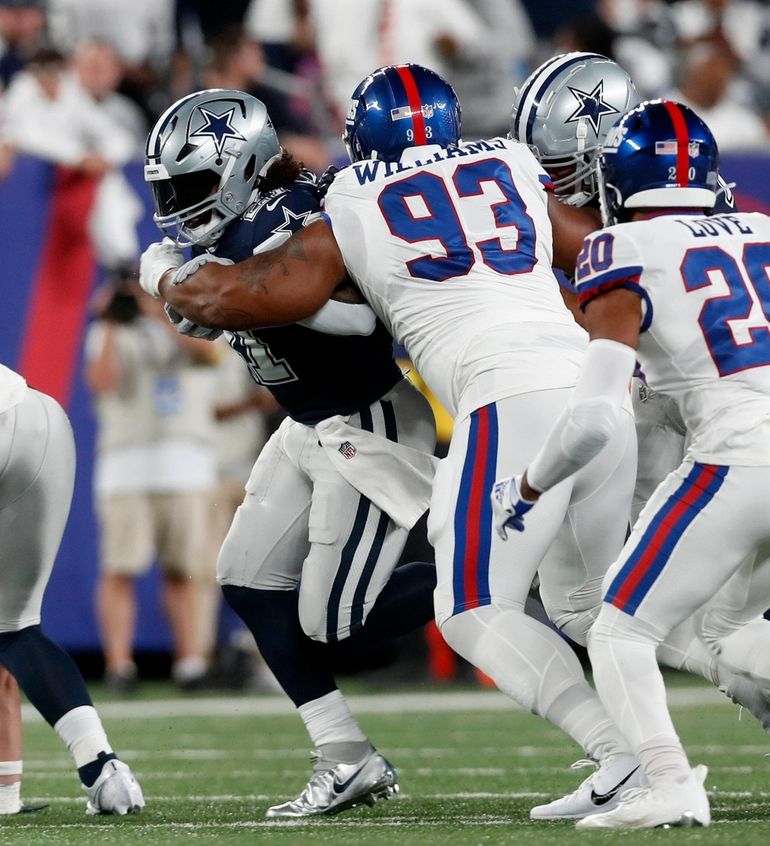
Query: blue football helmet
{"points": [[658, 155], [397, 107]]}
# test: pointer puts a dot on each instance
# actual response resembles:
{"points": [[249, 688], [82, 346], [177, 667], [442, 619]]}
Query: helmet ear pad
{"points": [[397, 107], [203, 159]]}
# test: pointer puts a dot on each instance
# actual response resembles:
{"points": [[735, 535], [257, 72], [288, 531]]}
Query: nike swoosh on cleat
{"points": [[341, 787], [603, 798]]}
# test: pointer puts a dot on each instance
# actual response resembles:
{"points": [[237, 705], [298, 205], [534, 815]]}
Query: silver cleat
{"points": [[336, 787], [116, 791]]}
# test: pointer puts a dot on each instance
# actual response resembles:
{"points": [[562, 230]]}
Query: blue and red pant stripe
{"points": [[473, 513], [647, 561]]}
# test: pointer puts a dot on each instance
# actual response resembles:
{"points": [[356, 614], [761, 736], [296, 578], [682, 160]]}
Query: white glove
{"points": [[189, 267], [508, 506], [156, 260], [187, 327]]}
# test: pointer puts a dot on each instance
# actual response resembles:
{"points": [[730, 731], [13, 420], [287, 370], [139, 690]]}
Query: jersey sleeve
{"points": [[609, 260]]}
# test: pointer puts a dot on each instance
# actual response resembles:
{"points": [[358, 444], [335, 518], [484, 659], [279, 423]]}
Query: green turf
{"points": [[464, 778]]}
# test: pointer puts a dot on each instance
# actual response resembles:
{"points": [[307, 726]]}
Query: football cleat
{"points": [[23, 809], [336, 787], [115, 791], [669, 805], [598, 793], [749, 695]]}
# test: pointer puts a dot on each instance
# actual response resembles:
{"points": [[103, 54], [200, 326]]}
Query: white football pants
{"points": [[36, 482], [571, 538]]}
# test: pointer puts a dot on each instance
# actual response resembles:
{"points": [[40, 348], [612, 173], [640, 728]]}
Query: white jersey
{"points": [[452, 248], [705, 338], [13, 388]]}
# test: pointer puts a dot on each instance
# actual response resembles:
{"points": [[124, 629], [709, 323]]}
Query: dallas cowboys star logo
{"points": [[217, 127], [591, 105], [290, 219]]}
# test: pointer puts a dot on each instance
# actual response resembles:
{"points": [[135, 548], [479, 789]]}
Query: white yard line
{"points": [[370, 703]]}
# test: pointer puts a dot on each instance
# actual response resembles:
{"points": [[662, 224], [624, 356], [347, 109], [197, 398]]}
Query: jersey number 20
{"points": [[420, 208]]}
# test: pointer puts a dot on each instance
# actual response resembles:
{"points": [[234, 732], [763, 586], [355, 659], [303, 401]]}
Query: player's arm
{"points": [[274, 288], [588, 422], [570, 227], [607, 275], [346, 313]]}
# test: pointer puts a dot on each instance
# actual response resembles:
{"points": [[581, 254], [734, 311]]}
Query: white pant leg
{"points": [[662, 437], [483, 581], [268, 537], [591, 536], [700, 525], [301, 521], [36, 482]]}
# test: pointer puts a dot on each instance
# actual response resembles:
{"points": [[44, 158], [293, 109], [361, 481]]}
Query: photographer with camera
{"points": [[154, 474]]}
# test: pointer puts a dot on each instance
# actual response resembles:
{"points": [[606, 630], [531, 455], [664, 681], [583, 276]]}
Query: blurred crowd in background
{"points": [[81, 83], [99, 65]]}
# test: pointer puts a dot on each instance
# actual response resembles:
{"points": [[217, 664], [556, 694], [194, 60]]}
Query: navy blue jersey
{"points": [[311, 374]]}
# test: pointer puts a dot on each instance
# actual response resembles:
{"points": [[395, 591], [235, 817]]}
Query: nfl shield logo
{"points": [[347, 449]]}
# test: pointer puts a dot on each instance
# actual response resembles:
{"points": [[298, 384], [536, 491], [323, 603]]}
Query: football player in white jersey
{"points": [[688, 296], [451, 244], [563, 112], [38, 473]]}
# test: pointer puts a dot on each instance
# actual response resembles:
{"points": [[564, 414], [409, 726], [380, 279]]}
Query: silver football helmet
{"points": [[203, 159], [563, 112]]}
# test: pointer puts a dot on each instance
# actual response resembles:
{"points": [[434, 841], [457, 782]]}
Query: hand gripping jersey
{"points": [[312, 375], [452, 248], [706, 321]]}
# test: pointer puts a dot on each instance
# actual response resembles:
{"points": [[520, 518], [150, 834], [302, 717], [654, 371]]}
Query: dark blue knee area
{"points": [[272, 616], [48, 676]]}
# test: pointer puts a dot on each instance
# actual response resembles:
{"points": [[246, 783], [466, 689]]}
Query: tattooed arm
{"points": [[269, 289]]}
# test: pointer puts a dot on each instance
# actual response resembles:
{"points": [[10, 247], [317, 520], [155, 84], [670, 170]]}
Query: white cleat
{"points": [[598, 793], [116, 791], [668, 805], [746, 693], [336, 787]]}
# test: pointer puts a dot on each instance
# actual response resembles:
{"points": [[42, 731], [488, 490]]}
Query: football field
{"points": [[470, 767]]}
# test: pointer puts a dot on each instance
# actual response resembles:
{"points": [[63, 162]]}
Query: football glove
{"points": [[189, 267], [508, 506], [325, 181], [156, 260], [187, 327]]}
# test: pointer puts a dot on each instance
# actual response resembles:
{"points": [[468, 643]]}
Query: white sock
{"points": [[328, 720], [533, 665], [187, 669], [628, 679], [82, 731], [10, 798]]}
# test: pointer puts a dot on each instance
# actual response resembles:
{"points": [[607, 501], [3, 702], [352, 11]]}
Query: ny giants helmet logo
{"points": [[404, 112], [591, 105], [217, 127]]}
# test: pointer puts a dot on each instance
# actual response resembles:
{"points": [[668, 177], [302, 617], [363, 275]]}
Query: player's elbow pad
{"points": [[589, 427], [338, 318]]}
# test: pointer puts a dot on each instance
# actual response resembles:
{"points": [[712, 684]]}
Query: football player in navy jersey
{"points": [[451, 244], [310, 558]]}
